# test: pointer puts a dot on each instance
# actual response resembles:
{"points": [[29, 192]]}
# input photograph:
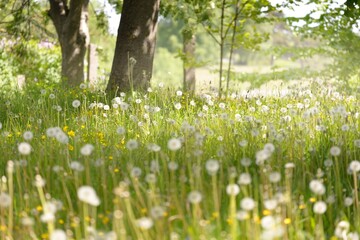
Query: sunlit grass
{"points": [[164, 165]]}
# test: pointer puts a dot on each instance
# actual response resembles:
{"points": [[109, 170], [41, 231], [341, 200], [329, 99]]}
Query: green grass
{"points": [[144, 190]]}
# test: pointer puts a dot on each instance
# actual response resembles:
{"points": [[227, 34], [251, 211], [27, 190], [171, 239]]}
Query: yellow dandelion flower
{"points": [[3, 228], [39, 208], [165, 214], [229, 221], [65, 128], [61, 221], [144, 210], [44, 236], [302, 206], [106, 220], [70, 147], [111, 158], [116, 170], [82, 126], [312, 199], [71, 133], [266, 212], [215, 215], [87, 219], [287, 221], [43, 137]]}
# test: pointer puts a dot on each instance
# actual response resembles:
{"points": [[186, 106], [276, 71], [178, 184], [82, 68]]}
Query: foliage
{"points": [[39, 62], [163, 164]]}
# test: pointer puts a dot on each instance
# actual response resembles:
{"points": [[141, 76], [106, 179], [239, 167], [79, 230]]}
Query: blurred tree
{"points": [[71, 24], [135, 46]]}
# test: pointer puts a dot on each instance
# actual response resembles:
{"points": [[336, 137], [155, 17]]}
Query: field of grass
{"points": [[165, 165]]}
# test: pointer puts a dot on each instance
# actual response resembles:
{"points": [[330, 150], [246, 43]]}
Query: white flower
{"points": [[58, 234], [335, 151], [244, 179], [194, 197], [242, 215], [76, 103], [269, 147], [5, 200], [353, 236], [47, 217], [354, 166], [212, 166], [319, 207], [348, 201], [136, 172], [27, 221], [177, 106], [342, 229], [261, 156], [87, 149], [173, 166], [132, 144], [232, 189], [270, 204], [174, 144], [28, 135], [317, 187], [39, 181], [88, 195], [144, 223], [120, 130], [247, 204], [274, 177], [179, 93], [268, 222], [157, 212], [24, 148]]}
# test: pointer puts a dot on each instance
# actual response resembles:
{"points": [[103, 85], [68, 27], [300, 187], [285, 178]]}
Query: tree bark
{"points": [[135, 46], [71, 24], [189, 45]]}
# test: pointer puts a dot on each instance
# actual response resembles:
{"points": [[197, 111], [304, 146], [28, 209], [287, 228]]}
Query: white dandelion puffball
{"points": [[194, 197], [335, 151], [232, 189], [88, 195], [132, 144], [342, 228], [28, 135], [87, 149], [24, 148], [268, 222], [144, 223], [174, 144], [58, 234], [320, 207], [354, 166], [317, 187], [5, 200], [212, 166], [244, 179], [76, 103], [247, 204]]}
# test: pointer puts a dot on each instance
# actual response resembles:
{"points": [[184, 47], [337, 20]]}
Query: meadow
{"points": [[167, 165]]}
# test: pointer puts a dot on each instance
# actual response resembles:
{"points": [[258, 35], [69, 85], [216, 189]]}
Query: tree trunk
{"points": [[135, 46], [189, 45], [73, 33]]}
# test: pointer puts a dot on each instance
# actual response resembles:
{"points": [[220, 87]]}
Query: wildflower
{"points": [[212, 166], [174, 144], [27, 221], [232, 189], [154, 147], [58, 234], [76, 166], [177, 106], [244, 179], [354, 166], [135, 172], [173, 166], [194, 197], [348, 201], [274, 177], [246, 162], [120, 130], [269, 147], [87, 149], [88, 195], [270, 204], [76, 103], [247, 204], [106, 107], [150, 178], [342, 229], [132, 144], [5, 200], [268, 222], [317, 187], [39, 181], [157, 212], [28, 135], [356, 142], [24, 148], [47, 217], [144, 223], [319, 207], [261, 156], [179, 93], [335, 151], [242, 215]]}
